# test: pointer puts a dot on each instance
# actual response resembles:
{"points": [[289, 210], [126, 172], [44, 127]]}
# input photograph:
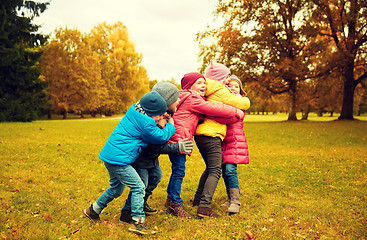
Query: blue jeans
{"points": [[121, 176], [178, 173], [151, 177], [230, 177]]}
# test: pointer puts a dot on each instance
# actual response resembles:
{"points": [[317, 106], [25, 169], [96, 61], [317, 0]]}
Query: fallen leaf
{"points": [[249, 235]]}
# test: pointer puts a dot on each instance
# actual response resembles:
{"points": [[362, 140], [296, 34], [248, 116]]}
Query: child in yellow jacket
{"points": [[210, 134]]}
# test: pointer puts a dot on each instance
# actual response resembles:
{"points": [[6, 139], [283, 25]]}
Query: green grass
{"points": [[283, 117], [305, 180]]}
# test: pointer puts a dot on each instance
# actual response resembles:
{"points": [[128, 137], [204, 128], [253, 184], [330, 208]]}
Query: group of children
{"points": [[164, 121]]}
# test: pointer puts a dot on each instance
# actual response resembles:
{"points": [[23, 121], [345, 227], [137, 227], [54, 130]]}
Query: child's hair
{"points": [[235, 78], [189, 79], [217, 71], [153, 104]]}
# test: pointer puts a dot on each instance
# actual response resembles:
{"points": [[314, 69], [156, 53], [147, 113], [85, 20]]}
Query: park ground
{"points": [[305, 180]]}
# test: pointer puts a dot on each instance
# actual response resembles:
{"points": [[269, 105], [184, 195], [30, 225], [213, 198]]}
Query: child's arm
{"points": [[151, 133], [221, 93], [207, 108], [182, 146], [225, 120]]}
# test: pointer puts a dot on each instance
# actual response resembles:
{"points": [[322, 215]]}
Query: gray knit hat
{"points": [[168, 91]]}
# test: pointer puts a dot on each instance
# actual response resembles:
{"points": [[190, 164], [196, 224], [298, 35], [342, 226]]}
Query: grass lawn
{"points": [[305, 180]]}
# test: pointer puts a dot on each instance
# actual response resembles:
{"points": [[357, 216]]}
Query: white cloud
{"points": [[162, 30]]}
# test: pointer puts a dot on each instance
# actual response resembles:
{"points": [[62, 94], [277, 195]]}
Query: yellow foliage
{"points": [[99, 71]]}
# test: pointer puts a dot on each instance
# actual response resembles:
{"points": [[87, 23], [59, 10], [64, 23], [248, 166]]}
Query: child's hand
{"points": [[240, 114], [185, 146], [162, 122], [164, 119], [171, 121]]}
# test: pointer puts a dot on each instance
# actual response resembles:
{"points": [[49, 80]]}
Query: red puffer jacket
{"points": [[234, 146], [191, 108]]}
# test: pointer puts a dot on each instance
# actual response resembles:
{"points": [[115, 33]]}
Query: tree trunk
{"points": [[348, 96], [65, 114], [292, 102], [49, 114], [320, 111], [306, 112], [81, 114]]}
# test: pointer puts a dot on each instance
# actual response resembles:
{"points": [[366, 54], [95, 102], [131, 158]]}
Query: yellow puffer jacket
{"points": [[218, 93]]}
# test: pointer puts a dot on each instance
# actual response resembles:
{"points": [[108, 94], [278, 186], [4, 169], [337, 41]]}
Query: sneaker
{"points": [[206, 212], [149, 210], [91, 214], [126, 216], [140, 229], [177, 210]]}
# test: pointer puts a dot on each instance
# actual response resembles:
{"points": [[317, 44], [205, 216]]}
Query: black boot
{"points": [[148, 209]]}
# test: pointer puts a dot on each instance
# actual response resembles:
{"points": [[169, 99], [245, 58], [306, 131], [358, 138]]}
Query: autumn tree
{"points": [[72, 72], [21, 89], [270, 42], [345, 23], [95, 72], [122, 73]]}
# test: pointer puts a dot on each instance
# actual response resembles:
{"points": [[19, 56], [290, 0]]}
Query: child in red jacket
{"points": [[190, 108], [235, 151]]}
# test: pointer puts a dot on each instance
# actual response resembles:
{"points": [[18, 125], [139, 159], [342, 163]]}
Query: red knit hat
{"points": [[217, 71], [189, 79]]}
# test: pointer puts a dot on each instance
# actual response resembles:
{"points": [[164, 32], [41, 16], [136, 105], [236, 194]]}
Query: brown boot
{"points": [[206, 212], [227, 202], [235, 201], [177, 210]]}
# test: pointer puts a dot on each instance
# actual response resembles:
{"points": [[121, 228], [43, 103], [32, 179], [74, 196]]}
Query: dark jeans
{"points": [[211, 151]]}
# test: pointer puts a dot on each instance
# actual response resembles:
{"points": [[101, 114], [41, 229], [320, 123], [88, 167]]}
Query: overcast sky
{"points": [[162, 30]]}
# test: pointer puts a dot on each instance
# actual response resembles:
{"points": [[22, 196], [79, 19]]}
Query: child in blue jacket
{"points": [[135, 130], [147, 164]]}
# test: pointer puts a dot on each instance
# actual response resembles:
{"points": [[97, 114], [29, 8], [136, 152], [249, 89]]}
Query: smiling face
{"points": [[234, 86], [199, 86]]}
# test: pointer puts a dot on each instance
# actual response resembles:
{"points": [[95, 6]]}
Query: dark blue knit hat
{"points": [[153, 104]]}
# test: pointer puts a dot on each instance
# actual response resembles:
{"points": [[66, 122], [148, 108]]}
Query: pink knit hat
{"points": [[189, 79], [217, 71]]}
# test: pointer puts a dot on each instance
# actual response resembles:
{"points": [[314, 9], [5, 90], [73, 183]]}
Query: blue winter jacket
{"points": [[132, 133]]}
